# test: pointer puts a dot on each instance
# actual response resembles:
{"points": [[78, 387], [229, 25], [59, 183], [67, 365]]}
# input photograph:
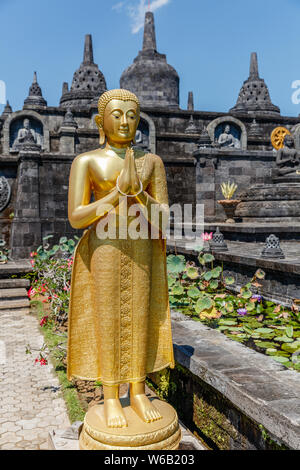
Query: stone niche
{"points": [[18, 128], [14, 127], [228, 132], [146, 134]]}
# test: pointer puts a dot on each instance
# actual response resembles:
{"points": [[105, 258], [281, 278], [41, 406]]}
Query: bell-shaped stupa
{"points": [[88, 81], [150, 77], [254, 95]]}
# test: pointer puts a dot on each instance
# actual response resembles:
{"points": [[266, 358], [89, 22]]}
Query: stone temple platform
{"points": [[256, 232]]}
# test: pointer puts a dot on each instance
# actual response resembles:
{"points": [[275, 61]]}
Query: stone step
{"points": [[12, 304], [15, 293], [14, 283], [23, 310]]}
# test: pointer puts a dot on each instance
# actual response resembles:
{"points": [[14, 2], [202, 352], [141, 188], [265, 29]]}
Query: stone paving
{"points": [[31, 404]]}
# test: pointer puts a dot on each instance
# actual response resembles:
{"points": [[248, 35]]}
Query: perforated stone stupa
{"points": [[88, 81], [35, 97], [254, 94]]}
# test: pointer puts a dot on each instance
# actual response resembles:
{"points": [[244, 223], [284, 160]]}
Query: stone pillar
{"points": [[26, 225], [205, 182], [67, 140]]}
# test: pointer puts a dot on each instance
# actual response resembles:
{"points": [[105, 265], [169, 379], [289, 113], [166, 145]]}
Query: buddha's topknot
{"points": [[118, 94]]}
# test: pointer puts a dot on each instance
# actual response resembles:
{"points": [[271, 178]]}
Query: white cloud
{"points": [[137, 11], [118, 6]]}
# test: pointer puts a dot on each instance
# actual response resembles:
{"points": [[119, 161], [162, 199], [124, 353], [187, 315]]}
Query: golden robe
{"points": [[119, 315]]}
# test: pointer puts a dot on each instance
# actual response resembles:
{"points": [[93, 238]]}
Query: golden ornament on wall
{"points": [[277, 137]]}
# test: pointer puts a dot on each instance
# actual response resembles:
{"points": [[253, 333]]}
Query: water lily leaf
{"points": [[177, 290], [263, 330], [214, 284], [176, 264], [250, 306], [260, 274], [194, 293], [289, 331], [246, 294], [201, 260], [281, 359], [228, 322], [205, 303], [192, 273], [209, 314], [229, 307], [229, 280], [283, 339], [208, 275], [171, 280], [247, 330], [264, 344], [216, 272], [63, 240], [208, 258], [291, 347], [271, 351], [172, 300]]}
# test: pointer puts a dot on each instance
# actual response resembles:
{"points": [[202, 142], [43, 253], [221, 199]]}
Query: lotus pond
{"points": [[203, 293]]}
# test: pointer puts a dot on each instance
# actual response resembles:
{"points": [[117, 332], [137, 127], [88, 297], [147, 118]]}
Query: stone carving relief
{"points": [[288, 158], [25, 131], [5, 193], [227, 132], [227, 135]]}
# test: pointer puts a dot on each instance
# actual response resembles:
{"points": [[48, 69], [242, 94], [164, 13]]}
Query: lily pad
{"points": [[192, 273], [263, 330], [281, 359], [214, 284], [283, 339], [176, 264], [264, 344], [229, 280], [177, 290], [194, 293], [205, 303]]}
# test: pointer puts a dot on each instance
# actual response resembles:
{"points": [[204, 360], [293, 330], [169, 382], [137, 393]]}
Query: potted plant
{"points": [[228, 189]]}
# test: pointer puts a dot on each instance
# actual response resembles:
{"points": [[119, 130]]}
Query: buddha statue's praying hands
{"points": [[119, 316]]}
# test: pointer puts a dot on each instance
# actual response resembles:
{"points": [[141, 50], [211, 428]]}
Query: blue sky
{"points": [[208, 42]]}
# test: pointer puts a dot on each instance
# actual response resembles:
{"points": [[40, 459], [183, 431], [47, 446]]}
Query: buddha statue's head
{"points": [[288, 141], [118, 118]]}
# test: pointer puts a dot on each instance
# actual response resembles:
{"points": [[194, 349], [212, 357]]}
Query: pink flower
{"points": [[44, 321], [31, 293], [207, 236]]}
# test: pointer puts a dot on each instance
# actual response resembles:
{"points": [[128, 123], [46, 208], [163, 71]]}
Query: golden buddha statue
{"points": [[119, 316]]}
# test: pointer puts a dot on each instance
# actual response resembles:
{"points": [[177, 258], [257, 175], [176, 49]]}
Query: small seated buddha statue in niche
{"points": [[119, 315], [288, 158]]}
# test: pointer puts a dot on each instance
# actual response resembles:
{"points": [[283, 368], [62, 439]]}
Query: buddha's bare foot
{"points": [[114, 414], [144, 408]]}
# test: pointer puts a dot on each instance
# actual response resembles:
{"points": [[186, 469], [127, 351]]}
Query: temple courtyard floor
{"points": [[30, 401]]}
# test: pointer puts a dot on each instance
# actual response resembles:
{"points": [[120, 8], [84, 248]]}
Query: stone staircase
{"points": [[13, 291]]}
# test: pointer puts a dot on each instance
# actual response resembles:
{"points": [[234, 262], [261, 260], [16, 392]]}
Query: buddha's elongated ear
{"points": [[101, 130]]}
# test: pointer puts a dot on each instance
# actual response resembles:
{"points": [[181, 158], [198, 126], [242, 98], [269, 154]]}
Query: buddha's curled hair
{"points": [[118, 94]]}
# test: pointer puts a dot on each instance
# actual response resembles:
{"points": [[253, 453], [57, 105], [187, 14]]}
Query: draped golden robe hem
{"points": [[119, 315], [132, 380]]}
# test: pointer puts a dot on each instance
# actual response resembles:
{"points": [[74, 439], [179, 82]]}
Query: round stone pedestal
{"points": [[164, 434]]}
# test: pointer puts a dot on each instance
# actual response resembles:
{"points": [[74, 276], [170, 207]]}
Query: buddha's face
{"points": [[26, 123], [227, 129], [289, 141], [121, 119]]}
